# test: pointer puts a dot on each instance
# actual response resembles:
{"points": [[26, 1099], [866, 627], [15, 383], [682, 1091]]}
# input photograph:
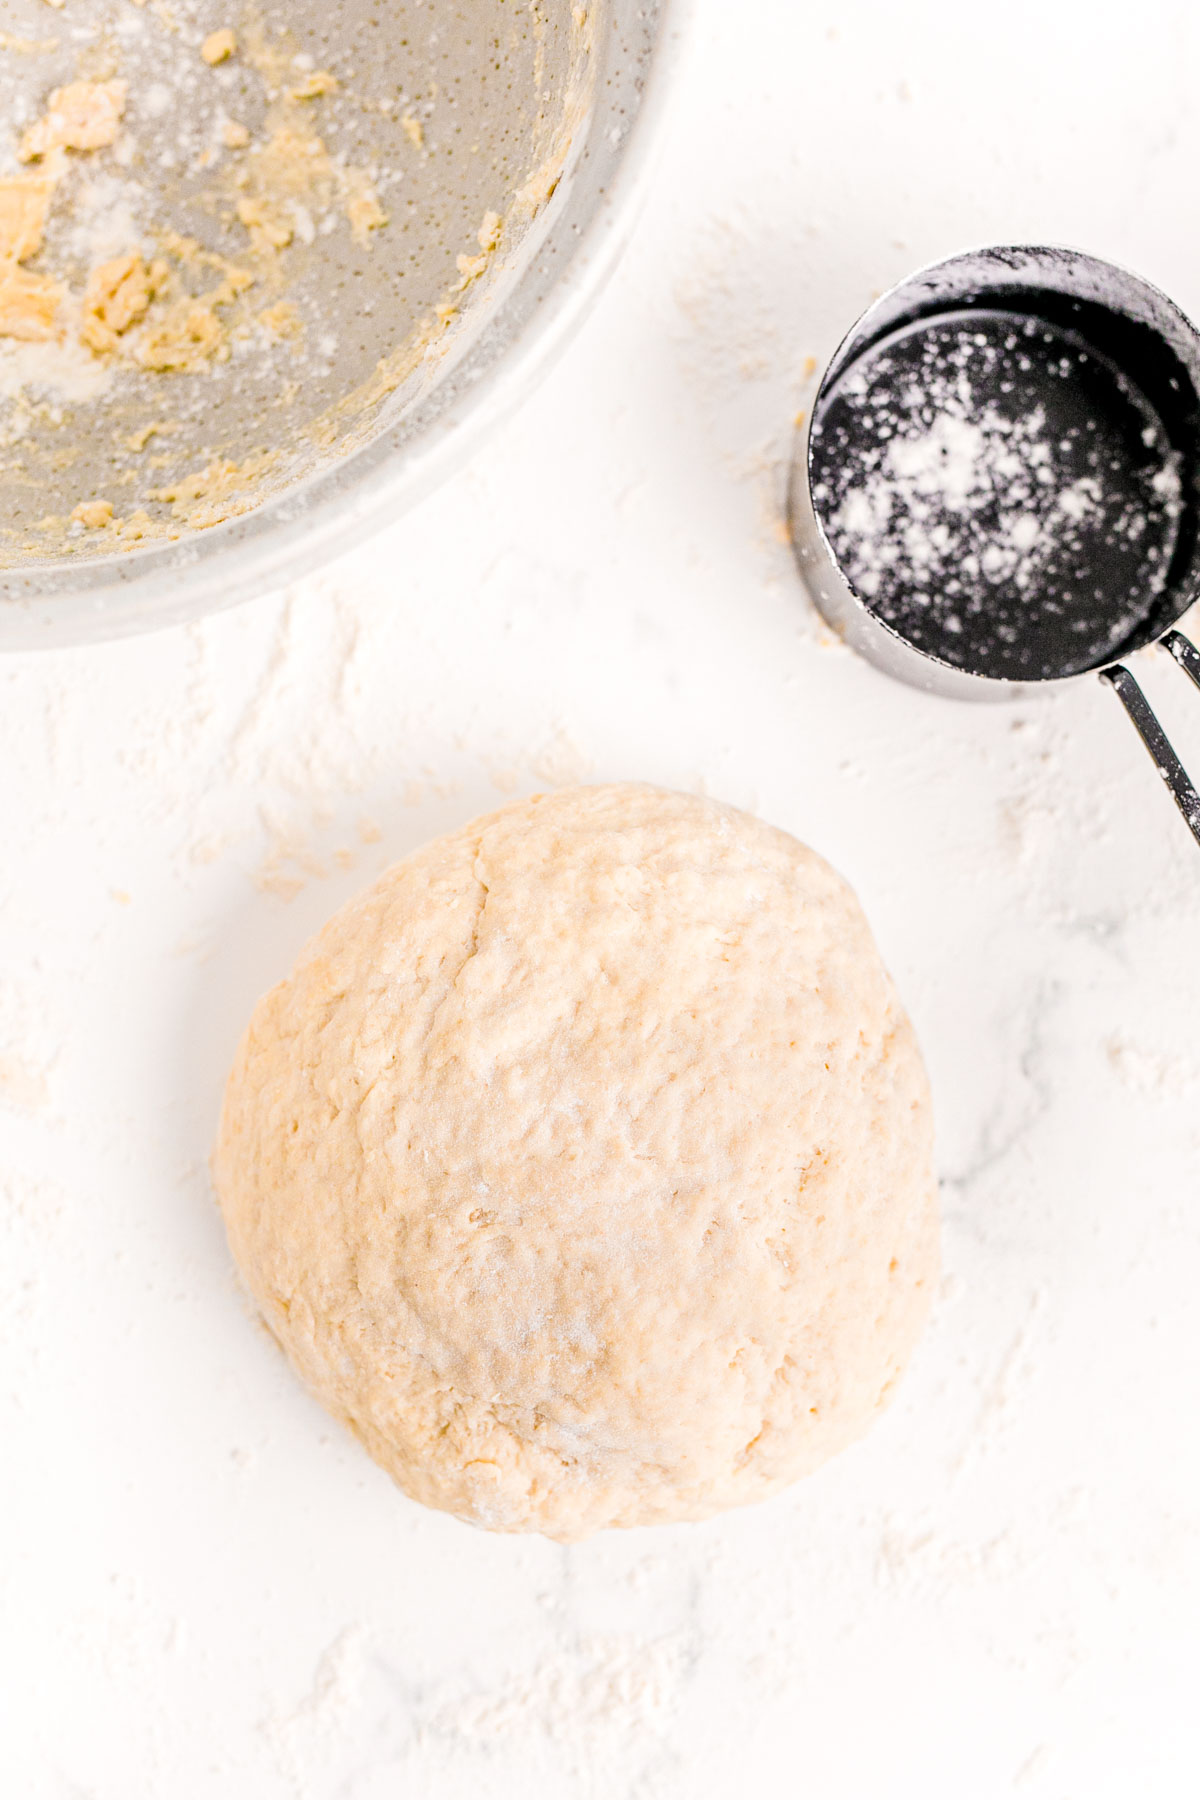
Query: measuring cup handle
{"points": [[1151, 732]]}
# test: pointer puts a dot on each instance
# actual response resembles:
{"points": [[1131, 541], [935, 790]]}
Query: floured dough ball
{"points": [[583, 1165]]}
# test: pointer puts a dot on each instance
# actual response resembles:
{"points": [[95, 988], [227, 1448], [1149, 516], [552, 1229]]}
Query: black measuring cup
{"points": [[998, 484]]}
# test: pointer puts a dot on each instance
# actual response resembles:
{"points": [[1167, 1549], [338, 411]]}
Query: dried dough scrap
{"points": [[583, 1165], [83, 116], [28, 305], [187, 337], [219, 46], [117, 296], [24, 201]]}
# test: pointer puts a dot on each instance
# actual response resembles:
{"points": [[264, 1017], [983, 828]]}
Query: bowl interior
{"points": [[511, 285]]}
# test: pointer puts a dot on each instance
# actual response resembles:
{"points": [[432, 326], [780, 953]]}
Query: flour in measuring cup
{"points": [[997, 492]]}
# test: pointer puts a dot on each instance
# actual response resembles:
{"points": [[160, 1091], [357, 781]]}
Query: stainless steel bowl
{"points": [[428, 427]]}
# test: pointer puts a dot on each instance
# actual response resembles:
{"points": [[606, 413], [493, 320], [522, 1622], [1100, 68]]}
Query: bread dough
{"points": [[583, 1165]]}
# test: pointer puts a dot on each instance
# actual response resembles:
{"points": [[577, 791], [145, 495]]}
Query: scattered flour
{"points": [[22, 1084], [57, 372], [1151, 1073], [326, 1710], [604, 1687]]}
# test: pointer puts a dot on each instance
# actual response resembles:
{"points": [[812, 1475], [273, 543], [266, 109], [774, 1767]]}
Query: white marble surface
{"points": [[205, 1589]]}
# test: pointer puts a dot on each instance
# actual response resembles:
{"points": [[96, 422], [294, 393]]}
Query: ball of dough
{"points": [[583, 1165]]}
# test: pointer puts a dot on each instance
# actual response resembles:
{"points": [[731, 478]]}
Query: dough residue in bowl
{"points": [[228, 242]]}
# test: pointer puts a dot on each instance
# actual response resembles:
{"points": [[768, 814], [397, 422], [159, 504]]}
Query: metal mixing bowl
{"points": [[422, 431]]}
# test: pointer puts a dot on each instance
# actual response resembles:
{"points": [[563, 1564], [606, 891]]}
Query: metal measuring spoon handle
{"points": [[1151, 732]]}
